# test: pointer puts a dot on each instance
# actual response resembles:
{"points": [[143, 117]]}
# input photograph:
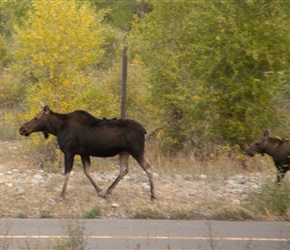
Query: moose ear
{"points": [[46, 110], [267, 133]]}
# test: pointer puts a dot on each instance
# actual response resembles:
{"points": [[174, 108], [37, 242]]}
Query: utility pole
{"points": [[124, 82]]}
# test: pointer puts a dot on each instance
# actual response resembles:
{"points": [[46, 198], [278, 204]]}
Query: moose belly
{"points": [[101, 150]]}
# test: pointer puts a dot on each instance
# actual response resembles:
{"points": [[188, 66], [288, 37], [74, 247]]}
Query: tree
{"points": [[58, 49], [121, 14], [11, 13], [218, 69]]}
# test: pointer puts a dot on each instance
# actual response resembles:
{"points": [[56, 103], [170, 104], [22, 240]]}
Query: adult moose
{"points": [[80, 133], [278, 148]]}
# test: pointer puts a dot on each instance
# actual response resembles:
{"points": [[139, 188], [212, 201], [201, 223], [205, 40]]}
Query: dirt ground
{"points": [[29, 190]]}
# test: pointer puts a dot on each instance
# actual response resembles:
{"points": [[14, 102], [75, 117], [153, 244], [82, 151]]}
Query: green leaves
{"points": [[199, 71], [208, 63]]}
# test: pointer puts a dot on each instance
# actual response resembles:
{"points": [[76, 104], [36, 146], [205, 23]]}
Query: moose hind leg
{"points": [[123, 161], [148, 170], [87, 164]]}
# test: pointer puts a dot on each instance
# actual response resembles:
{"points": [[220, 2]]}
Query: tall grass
{"points": [[216, 162], [272, 200], [75, 240]]}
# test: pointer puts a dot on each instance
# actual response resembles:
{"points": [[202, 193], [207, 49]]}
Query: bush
{"points": [[93, 213]]}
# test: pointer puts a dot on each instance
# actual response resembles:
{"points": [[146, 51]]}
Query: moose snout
{"points": [[23, 131], [249, 153]]}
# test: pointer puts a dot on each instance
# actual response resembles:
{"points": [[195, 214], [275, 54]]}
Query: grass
{"points": [[75, 241], [149, 213], [213, 164], [21, 215], [272, 200], [94, 213], [232, 213]]}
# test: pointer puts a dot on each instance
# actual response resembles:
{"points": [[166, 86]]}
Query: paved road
{"points": [[142, 234]]}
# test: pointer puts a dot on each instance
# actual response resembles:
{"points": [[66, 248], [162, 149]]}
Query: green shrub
{"points": [[93, 213]]}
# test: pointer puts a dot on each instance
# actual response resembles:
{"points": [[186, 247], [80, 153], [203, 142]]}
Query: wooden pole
{"points": [[124, 83]]}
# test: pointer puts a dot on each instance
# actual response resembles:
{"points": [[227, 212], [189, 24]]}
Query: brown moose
{"points": [[80, 133]]}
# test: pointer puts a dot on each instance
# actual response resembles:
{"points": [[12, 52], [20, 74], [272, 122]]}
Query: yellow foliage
{"points": [[59, 35], [60, 44], [160, 135]]}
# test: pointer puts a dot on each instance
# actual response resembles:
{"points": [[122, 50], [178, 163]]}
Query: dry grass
{"points": [[174, 175]]}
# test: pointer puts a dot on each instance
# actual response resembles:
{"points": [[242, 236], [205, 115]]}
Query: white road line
{"points": [[141, 237]]}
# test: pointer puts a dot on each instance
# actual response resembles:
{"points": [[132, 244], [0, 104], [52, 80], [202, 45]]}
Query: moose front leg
{"points": [[282, 170], [68, 164]]}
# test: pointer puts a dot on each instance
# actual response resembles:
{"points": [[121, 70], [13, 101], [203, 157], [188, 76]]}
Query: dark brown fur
{"points": [[80, 133], [278, 148]]}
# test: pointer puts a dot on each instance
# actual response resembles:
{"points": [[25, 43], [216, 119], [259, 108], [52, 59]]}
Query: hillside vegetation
{"points": [[198, 72]]}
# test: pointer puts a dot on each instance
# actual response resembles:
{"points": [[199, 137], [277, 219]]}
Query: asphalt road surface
{"points": [[142, 234]]}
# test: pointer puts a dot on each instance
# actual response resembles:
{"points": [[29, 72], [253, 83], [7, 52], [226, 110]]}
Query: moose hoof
{"points": [[105, 196], [62, 195], [99, 192], [61, 198]]}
